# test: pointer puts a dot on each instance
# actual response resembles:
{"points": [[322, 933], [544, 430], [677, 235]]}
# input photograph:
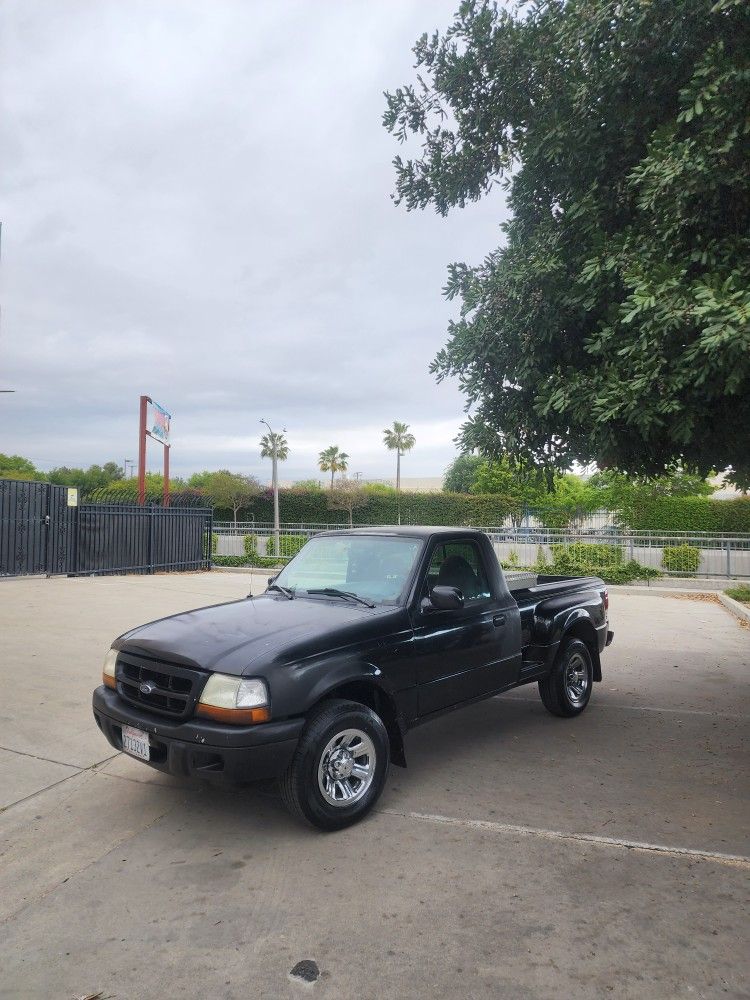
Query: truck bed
{"points": [[531, 592]]}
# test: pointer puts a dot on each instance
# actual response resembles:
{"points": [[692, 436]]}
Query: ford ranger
{"points": [[363, 635]]}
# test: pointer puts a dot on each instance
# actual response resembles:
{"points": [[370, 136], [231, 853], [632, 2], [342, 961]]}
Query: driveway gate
{"points": [[43, 530]]}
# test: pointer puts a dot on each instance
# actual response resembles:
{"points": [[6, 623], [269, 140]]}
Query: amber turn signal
{"points": [[109, 681], [233, 716]]}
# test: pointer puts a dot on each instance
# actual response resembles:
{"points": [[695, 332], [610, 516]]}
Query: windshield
{"points": [[374, 567]]}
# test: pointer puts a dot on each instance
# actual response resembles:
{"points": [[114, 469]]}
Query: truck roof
{"points": [[407, 531]]}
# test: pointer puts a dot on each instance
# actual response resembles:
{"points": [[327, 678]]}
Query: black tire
{"points": [[301, 785], [558, 690]]}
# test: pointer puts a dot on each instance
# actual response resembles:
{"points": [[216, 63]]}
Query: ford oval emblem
{"points": [[145, 688]]}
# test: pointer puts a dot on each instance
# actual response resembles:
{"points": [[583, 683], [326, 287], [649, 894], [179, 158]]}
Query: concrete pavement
{"points": [[501, 863]]}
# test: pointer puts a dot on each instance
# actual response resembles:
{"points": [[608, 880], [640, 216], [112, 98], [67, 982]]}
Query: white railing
{"points": [[718, 555]]}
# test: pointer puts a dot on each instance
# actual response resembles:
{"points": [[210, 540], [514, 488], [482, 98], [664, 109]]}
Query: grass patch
{"points": [[739, 593]]}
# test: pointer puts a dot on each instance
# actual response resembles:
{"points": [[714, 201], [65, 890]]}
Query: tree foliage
{"points": [[460, 474], [613, 324], [398, 438], [230, 490], [274, 442], [348, 495], [18, 467], [333, 460], [87, 480]]}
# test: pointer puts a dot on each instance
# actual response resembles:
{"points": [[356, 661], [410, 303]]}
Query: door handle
{"points": [[498, 620]]}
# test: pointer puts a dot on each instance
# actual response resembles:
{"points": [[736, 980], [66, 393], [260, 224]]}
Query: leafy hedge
{"points": [[665, 514], [681, 558], [231, 561], [311, 507], [690, 514]]}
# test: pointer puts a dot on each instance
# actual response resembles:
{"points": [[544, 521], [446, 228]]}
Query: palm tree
{"points": [[398, 439], [274, 446], [332, 460]]}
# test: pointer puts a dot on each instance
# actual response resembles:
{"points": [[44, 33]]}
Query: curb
{"points": [[735, 608], [627, 588], [739, 610]]}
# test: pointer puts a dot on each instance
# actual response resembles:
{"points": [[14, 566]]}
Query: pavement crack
{"points": [[732, 860], [48, 760], [77, 771]]}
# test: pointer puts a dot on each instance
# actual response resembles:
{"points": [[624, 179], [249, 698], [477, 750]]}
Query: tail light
{"points": [[606, 599]]}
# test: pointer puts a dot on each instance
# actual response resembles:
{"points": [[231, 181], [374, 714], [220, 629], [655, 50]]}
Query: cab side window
{"points": [[459, 564]]}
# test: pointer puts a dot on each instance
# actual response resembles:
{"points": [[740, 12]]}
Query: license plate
{"points": [[135, 742]]}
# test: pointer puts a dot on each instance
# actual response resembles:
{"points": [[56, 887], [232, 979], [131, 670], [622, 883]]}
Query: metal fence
{"points": [[674, 553], [43, 530]]}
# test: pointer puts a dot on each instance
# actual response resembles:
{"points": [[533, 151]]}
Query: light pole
{"points": [[127, 462], [274, 442]]}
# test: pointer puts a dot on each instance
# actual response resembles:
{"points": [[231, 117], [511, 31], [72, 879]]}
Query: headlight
{"points": [[234, 700], [108, 670]]}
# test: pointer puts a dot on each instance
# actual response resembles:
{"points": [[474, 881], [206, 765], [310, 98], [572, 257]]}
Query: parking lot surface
{"points": [[519, 855]]}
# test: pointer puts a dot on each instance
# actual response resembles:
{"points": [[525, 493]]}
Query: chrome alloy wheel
{"points": [[576, 680], [347, 767]]}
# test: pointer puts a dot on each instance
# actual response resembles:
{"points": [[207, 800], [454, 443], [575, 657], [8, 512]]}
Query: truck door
{"points": [[471, 651]]}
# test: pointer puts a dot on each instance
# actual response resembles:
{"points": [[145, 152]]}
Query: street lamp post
{"points": [[274, 484]]}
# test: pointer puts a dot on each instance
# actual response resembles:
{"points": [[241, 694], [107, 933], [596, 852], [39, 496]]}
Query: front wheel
{"points": [[339, 768], [567, 689]]}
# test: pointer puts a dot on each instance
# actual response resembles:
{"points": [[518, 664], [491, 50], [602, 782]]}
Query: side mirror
{"points": [[446, 598], [271, 579]]}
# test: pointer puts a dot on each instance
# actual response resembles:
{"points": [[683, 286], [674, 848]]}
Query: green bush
{"points": [[251, 557], [230, 561], [590, 553], [681, 558], [289, 545], [590, 559]]}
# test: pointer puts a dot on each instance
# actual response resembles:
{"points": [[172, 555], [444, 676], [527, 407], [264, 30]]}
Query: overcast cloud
{"points": [[196, 205]]}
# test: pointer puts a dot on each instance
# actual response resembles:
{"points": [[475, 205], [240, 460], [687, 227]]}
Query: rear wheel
{"points": [[339, 768], [567, 689]]}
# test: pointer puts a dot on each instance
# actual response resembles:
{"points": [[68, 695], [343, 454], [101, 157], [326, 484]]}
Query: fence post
{"points": [[150, 510], [729, 557]]}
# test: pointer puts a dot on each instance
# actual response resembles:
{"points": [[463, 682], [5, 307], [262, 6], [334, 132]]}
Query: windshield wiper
{"points": [[347, 594], [289, 594]]}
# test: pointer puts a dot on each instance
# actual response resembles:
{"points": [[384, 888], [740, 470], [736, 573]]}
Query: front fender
{"points": [[297, 687]]}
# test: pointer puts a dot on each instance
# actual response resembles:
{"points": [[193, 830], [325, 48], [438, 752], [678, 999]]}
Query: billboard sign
{"points": [[159, 423]]}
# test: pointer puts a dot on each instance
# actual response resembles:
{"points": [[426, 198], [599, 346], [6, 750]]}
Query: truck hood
{"points": [[250, 635]]}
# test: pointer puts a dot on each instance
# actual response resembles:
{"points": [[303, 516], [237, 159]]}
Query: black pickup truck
{"points": [[365, 634]]}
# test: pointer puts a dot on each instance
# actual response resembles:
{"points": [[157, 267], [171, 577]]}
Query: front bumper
{"points": [[205, 749]]}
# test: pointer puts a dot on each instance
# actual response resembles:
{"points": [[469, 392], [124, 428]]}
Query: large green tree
{"points": [[613, 322], [229, 490], [18, 467], [87, 480], [461, 473]]}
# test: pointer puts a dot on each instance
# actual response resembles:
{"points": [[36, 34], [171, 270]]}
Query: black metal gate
{"points": [[43, 530]]}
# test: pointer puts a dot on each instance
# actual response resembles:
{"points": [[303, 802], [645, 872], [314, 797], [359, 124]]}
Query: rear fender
{"points": [[579, 625]]}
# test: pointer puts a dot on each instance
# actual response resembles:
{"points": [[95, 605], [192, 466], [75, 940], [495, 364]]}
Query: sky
{"points": [[196, 204]]}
